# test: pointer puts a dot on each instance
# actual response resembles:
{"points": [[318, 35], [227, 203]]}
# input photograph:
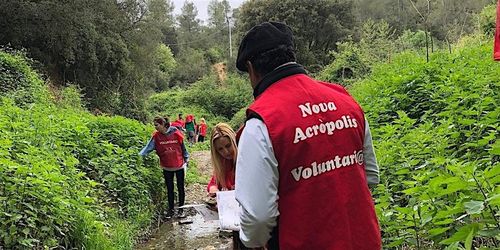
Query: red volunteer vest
{"points": [[203, 129], [179, 122], [168, 148], [317, 132], [189, 118], [496, 49]]}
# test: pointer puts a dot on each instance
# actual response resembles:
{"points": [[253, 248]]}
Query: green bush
{"points": [[487, 19], [412, 40], [238, 119], [19, 82], [353, 61], [193, 176], [70, 97], [435, 128], [207, 98], [70, 179], [221, 98]]}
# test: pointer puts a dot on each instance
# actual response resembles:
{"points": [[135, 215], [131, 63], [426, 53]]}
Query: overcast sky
{"points": [[201, 6]]}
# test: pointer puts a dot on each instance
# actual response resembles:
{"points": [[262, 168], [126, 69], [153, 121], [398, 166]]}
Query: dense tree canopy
{"points": [[104, 46], [317, 25], [445, 19], [120, 52]]}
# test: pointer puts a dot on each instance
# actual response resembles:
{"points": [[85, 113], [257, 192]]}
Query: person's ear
{"points": [[253, 75], [249, 66]]}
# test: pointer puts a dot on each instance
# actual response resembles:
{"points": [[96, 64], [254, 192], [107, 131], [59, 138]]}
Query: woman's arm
{"points": [[148, 148], [185, 153], [212, 187]]}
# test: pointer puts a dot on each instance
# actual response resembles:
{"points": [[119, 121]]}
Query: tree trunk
{"points": [[427, 43], [432, 43]]}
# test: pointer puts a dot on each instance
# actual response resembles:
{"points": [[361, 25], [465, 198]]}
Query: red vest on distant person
{"points": [[178, 122], [202, 128], [189, 118], [496, 49], [317, 132], [168, 148]]}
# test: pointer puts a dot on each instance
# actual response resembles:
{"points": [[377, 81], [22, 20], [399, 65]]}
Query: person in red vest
{"points": [[179, 123], [223, 151], [202, 130], [223, 154], [305, 156], [168, 143], [190, 126], [496, 48]]}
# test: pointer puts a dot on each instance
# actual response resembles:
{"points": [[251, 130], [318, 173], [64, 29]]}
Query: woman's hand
{"points": [[212, 191]]}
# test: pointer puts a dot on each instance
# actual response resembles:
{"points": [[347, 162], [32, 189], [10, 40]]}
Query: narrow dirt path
{"points": [[200, 234], [196, 192]]}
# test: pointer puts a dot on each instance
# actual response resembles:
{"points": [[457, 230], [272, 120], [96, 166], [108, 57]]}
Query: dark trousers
{"points": [[169, 181], [201, 138], [237, 244]]}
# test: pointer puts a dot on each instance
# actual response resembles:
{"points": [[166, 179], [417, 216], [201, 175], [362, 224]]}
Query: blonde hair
{"points": [[220, 164]]}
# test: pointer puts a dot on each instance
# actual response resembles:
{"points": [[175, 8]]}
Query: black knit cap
{"points": [[261, 38]]}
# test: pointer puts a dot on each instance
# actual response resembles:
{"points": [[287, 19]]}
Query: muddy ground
{"points": [[198, 233]]}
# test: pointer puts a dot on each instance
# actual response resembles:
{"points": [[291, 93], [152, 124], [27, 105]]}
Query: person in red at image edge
{"points": [[202, 130], [305, 156], [496, 50], [168, 143]]}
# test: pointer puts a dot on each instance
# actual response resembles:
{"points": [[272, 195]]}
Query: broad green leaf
{"points": [[453, 185], [461, 234], [468, 240], [492, 172], [426, 217], [402, 171], [395, 243], [495, 148], [438, 231], [412, 190], [474, 207], [445, 222], [489, 232], [467, 122], [494, 200]]}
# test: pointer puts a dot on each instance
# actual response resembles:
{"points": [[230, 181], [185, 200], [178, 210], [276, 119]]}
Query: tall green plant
{"points": [[69, 179], [435, 127]]}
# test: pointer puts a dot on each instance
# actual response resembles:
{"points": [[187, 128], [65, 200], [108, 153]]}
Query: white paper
{"points": [[229, 211]]}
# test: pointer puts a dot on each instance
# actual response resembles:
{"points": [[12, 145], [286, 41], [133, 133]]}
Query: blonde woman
{"points": [[224, 151]]}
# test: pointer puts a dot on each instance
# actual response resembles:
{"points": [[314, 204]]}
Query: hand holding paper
{"points": [[229, 211]]}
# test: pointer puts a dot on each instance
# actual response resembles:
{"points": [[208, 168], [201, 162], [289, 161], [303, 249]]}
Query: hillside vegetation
{"points": [[73, 180], [68, 178], [436, 134]]}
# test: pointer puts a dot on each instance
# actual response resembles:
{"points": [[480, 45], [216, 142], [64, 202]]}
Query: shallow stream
{"points": [[201, 233]]}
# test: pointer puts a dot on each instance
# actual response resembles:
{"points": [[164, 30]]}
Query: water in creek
{"points": [[200, 234], [203, 232]]}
